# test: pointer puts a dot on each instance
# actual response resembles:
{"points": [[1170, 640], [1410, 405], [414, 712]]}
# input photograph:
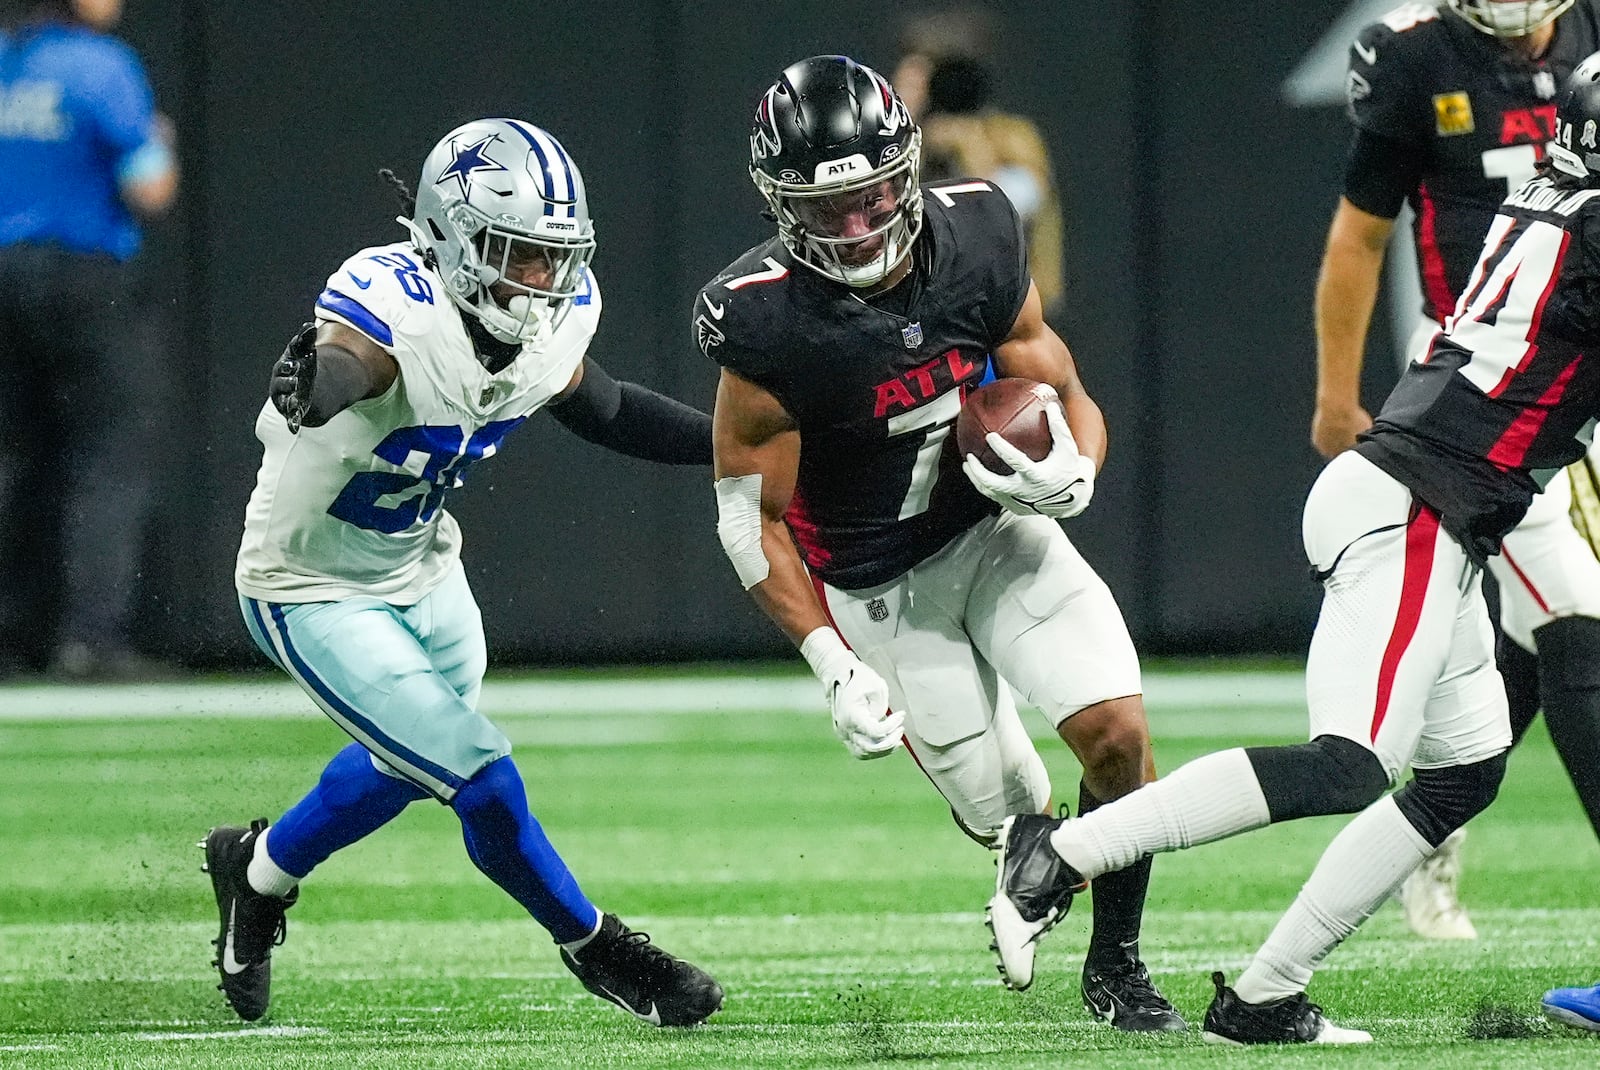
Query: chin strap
{"points": [[492, 353]]}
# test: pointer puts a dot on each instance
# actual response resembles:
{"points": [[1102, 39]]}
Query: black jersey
{"points": [[1476, 114], [1508, 391], [875, 387]]}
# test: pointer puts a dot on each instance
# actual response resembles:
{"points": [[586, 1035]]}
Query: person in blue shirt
{"points": [[84, 157]]}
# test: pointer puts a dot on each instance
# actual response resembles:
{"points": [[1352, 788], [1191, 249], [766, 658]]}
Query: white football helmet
{"points": [[497, 195], [1509, 18]]}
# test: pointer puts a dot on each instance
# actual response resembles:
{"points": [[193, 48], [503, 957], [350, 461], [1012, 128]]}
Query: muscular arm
{"points": [[349, 367], [1347, 290], [1034, 351], [754, 436], [631, 419]]}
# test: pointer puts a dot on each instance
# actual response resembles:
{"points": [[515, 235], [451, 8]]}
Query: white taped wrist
{"points": [[824, 651], [739, 526]]}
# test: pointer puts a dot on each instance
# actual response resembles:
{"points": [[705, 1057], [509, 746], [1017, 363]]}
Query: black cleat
{"points": [[252, 923], [1033, 890], [624, 967], [1124, 995], [1290, 1020]]}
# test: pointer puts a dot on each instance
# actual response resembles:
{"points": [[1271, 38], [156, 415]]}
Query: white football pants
{"points": [[1546, 569], [1009, 600], [1402, 660]]}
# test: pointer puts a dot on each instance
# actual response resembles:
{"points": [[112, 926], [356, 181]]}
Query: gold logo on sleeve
{"points": [[1452, 113]]}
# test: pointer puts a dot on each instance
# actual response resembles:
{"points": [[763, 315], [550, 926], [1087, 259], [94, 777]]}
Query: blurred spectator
{"points": [[945, 78], [83, 155]]}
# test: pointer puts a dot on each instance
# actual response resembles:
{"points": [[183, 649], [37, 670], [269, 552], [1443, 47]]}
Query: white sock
{"points": [[1361, 868], [574, 946], [265, 875], [1208, 799]]}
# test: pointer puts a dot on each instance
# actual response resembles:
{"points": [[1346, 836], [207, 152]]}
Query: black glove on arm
{"points": [[310, 385], [292, 375]]}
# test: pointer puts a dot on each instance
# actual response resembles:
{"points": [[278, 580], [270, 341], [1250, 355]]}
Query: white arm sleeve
{"points": [[739, 526]]}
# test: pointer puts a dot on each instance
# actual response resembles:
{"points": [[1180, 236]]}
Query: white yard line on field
{"points": [[231, 1034], [255, 698]]}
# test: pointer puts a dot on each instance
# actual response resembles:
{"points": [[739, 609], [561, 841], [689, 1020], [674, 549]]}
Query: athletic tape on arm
{"points": [[739, 526]]}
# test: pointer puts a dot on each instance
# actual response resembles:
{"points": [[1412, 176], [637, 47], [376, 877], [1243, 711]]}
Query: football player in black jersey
{"points": [[1401, 668], [847, 342], [1452, 106]]}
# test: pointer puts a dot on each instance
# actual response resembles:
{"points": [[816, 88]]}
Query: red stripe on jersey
{"points": [[1434, 283], [1421, 535], [822, 599], [1523, 576], [1512, 445], [1538, 317], [804, 529]]}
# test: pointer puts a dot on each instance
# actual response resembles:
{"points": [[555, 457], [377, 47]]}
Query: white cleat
{"points": [[1429, 895], [1033, 890]]}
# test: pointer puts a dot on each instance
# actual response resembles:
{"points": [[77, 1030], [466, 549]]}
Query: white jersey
{"points": [[355, 507]]}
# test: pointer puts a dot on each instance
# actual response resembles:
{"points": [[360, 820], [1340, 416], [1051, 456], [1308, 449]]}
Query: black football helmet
{"points": [[831, 140], [1576, 148]]}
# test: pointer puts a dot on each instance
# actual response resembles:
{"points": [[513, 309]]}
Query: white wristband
{"points": [[823, 649]]}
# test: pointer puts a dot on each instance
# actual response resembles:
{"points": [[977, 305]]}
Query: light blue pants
{"points": [[402, 680]]}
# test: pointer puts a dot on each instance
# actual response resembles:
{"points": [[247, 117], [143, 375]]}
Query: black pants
{"points": [[81, 391]]}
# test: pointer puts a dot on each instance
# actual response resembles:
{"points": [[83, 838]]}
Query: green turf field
{"points": [[834, 899]]}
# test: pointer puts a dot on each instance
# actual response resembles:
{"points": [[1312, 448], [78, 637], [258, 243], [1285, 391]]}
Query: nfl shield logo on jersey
{"points": [[877, 610], [912, 333]]}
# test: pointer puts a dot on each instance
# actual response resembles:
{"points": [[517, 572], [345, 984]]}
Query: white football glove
{"points": [[1058, 486], [857, 695]]}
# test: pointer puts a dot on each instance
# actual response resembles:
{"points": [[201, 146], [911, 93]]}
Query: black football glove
{"points": [[293, 375]]}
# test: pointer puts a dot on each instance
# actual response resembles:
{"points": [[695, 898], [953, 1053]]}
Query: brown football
{"points": [[1014, 408]]}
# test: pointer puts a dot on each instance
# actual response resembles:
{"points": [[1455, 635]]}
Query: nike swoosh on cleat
{"points": [[654, 1017], [230, 964]]}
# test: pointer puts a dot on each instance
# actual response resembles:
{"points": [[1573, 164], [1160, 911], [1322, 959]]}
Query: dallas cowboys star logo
{"points": [[470, 159]]}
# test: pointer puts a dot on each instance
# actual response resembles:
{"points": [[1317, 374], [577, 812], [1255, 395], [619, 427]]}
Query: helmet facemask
{"points": [[1509, 18], [496, 254], [809, 214], [501, 210]]}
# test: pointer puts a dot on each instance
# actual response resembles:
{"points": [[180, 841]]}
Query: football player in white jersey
{"points": [[425, 354]]}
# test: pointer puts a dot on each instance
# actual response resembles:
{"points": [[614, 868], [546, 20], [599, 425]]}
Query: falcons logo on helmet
{"points": [[895, 114], [764, 140]]}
